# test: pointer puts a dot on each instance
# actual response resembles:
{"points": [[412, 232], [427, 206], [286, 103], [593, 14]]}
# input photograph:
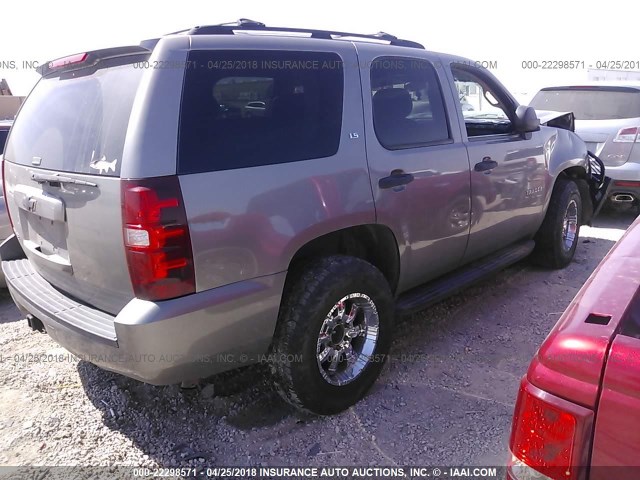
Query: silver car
{"points": [[607, 118], [163, 236]]}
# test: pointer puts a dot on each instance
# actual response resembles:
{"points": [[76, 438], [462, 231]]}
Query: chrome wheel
{"points": [[459, 218], [570, 225], [347, 339]]}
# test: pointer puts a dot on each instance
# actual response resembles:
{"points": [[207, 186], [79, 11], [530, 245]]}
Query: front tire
{"points": [[557, 239], [333, 334]]}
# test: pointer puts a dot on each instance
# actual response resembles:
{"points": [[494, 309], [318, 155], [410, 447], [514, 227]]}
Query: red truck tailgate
{"points": [[617, 432], [570, 363]]}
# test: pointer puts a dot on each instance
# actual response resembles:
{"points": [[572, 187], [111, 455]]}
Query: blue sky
{"points": [[502, 31]]}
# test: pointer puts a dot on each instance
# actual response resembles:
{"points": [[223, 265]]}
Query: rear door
{"points": [[419, 168], [62, 164]]}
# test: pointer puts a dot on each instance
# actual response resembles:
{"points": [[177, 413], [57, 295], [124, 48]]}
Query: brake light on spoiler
{"points": [[80, 61], [156, 238], [65, 61]]}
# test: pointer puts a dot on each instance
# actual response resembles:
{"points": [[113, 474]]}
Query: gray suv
{"points": [[163, 233]]}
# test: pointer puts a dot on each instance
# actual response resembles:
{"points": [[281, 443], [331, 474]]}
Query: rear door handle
{"points": [[396, 179], [486, 165]]}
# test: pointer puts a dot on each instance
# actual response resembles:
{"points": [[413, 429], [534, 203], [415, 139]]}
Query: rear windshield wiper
{"points": [[42, 178]]}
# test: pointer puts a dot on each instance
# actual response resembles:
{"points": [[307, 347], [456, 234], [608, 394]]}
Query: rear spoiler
{"points": [[88, 59]]}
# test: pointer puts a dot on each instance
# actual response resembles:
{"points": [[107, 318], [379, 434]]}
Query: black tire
{"points": [[308, 301], [552, 249]]}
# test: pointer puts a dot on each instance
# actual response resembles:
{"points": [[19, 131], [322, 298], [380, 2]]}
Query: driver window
{"points": [[483, 112]]}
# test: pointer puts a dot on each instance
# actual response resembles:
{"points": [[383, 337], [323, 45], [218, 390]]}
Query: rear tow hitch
{"points": [[36, 324]]}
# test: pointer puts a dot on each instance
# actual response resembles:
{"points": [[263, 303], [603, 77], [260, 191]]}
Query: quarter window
{"points": [[408, 109], [248, 108]]}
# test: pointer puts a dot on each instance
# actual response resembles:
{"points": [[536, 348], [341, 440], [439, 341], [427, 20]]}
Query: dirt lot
{"points": [[445, 399]]}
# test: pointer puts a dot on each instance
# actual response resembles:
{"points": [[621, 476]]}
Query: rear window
{"points": [[76, 124], [590, 103], [248, 108]]}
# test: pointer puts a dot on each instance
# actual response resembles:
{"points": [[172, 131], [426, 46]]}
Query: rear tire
{"points": [[557, 239], [333, 334]]}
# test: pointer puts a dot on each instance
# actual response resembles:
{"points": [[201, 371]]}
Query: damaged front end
{"points": [[596, 190]]}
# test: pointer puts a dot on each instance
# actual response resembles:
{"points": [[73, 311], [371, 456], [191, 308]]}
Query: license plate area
{"points": [[45, 236], [43, 221]]}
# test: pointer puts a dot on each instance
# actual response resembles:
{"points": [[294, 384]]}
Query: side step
{"points": [[420, 297]]}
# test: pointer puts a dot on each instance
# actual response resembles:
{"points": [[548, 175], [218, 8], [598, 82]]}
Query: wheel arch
{"points": [[373, 243], [580, 176], [568, 160]]}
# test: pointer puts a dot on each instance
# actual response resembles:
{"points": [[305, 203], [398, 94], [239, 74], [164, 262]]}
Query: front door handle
{"points": [[486, 165], [396, 179]]}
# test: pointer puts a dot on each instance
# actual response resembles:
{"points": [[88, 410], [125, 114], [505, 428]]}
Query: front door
{"points": [[507, 168]]}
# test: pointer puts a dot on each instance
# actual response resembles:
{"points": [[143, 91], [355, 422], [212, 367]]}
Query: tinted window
{"points": [[408, 109], [248, 108], [598, 103], [76, 124], [3, 139]]}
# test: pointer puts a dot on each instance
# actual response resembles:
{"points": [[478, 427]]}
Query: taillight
{"points": [[156, 238], [550, 436], [627, 135]]}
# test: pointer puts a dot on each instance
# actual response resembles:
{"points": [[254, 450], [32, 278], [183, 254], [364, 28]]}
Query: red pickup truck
{"points": [[577, 416]]}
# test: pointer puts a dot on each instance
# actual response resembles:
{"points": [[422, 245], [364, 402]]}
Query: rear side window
{"points": [[76, 124], [248, 108], [590, 103], [408, 108]]}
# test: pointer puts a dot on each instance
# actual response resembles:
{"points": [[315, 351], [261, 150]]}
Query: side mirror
{"points": [[526, 119]]}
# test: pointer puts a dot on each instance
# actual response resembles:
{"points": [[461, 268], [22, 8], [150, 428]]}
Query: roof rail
{"points": [[251, 25]]}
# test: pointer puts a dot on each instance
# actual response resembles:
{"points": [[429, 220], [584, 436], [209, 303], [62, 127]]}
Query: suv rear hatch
{"points": [[62, 174], [607, 117]]}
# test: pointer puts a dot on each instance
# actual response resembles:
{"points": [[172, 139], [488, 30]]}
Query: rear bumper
{"points": [[629, 172], [157, 342]]}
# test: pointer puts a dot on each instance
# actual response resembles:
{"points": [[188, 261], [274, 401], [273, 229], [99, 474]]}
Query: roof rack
{"points": [[253, 26]]}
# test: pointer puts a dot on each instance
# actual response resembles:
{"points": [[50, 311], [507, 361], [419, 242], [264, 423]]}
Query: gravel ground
{"points": [[446, 398]]}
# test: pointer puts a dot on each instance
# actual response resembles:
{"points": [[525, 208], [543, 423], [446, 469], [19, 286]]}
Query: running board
{"points": [[437, 290]]}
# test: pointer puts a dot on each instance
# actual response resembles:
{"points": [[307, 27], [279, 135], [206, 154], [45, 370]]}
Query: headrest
{"points": [[392, 104]]}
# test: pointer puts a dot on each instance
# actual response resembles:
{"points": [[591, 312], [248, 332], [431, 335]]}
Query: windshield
{"points": [[76, 124], [596, 103]]}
